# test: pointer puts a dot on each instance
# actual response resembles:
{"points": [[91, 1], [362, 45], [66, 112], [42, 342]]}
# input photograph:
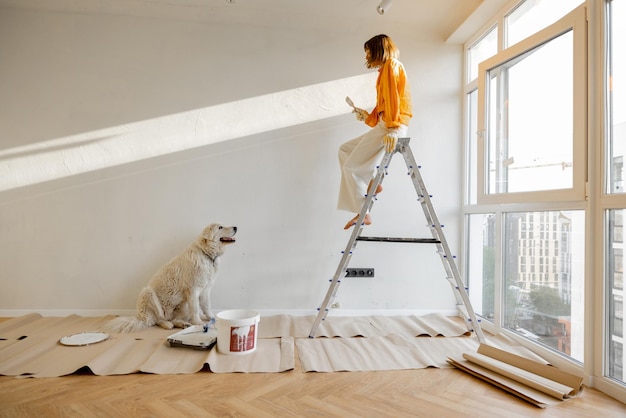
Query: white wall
{"points": [[86, 241]]}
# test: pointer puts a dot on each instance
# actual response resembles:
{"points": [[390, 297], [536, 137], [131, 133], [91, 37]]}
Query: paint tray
{"points": [[197, 337]]}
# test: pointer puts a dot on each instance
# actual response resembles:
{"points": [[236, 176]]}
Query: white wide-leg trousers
{"points": [[357, 160]]}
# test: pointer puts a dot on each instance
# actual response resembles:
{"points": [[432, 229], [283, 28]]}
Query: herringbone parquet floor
{"points": [[407, 393], [430, 392]]}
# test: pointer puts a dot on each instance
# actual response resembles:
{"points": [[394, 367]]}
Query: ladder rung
{"points": [[408, 240]]}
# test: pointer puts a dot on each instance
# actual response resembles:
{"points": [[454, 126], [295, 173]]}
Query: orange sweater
{"points": [[393, 96]]}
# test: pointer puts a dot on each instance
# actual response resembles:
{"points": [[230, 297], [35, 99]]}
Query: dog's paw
{"points": [[208, 317], [179, 323], [165, 324]]}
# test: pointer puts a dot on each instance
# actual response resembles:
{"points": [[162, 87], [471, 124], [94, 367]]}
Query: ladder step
{"points": [[407, 240]]}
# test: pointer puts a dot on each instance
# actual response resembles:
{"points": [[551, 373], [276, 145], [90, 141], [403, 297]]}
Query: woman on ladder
{"points": [[389, 120]]}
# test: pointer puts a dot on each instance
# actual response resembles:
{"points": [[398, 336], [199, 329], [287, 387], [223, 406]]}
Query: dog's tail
{"points": [[125, 324], [149, 313]]}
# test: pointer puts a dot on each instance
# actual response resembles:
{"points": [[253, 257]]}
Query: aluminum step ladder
{"points": [[438, 238]]}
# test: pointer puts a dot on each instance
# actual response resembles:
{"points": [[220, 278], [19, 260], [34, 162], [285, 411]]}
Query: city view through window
{"points": [[543, 276]]}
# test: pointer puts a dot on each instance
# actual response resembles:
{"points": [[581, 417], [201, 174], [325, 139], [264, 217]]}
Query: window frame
{"points": [[576, 22]]}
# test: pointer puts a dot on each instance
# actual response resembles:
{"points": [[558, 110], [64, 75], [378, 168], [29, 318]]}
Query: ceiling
{"points": [[451, 20]]}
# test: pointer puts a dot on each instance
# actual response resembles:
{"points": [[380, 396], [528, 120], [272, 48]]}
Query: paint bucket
{"points": [[237, 331]]}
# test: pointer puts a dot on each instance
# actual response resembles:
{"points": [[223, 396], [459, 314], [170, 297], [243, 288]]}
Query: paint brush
{"points": [[350, 102]]}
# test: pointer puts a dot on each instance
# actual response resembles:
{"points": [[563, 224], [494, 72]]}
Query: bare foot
{"points": [[366, 221]]}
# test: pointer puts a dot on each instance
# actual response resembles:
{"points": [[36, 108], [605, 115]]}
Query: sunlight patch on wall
{"points": [[76, 154]]}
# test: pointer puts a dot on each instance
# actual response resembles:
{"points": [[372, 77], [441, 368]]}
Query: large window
{"points": [[616, 149], [526, 176], [531, 117], [530, 133], [545, 200]]}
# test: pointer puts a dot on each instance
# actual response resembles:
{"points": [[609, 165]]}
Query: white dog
{"points": [[178, 295]]}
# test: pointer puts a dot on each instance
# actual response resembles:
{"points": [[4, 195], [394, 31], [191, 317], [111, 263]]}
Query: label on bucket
{"points": [[242, 338]]}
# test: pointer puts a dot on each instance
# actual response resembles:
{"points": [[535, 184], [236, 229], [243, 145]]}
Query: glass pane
{"points": [[481, 264], [617, 97], [530, 110], [544, 269], [615, 297], [493, 109], [472, 147], [485, 48], [533, 15]]}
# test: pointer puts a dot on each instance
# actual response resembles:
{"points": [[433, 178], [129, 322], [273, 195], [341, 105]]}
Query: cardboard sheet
{"points": [[432, 325], [391, 352], [533, 381], [257, 361], [29, 347]]}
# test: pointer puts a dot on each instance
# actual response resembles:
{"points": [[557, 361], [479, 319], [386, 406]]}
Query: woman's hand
{"points": [[361, 114], [391, 140]]}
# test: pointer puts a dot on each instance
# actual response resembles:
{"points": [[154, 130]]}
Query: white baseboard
{"points": [[13, 313]]}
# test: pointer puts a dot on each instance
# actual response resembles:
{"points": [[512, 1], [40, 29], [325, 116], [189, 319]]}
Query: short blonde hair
{"points": [[381, 48]]}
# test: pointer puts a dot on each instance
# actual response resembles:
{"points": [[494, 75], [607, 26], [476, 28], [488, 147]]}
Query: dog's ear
{"points": [[207, 239], [209, 232]]}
